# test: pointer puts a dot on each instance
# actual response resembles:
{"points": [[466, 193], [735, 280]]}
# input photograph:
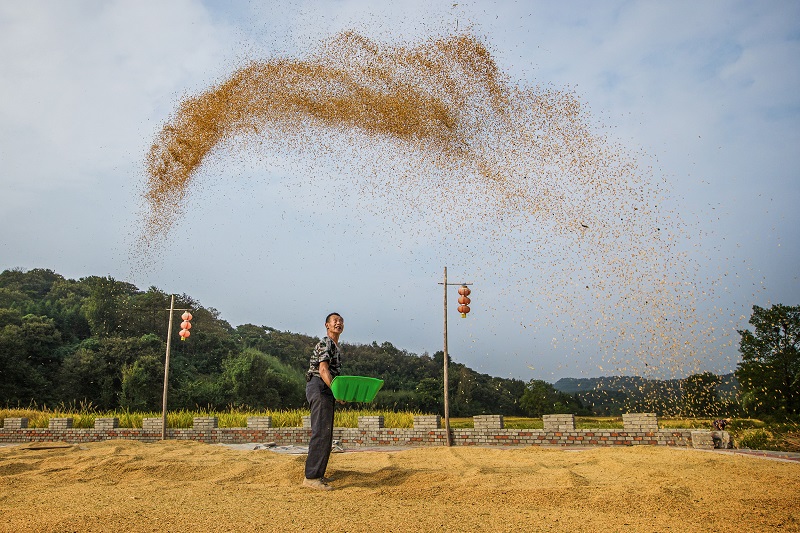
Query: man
{"points": [[325, 364], [721, 424]]}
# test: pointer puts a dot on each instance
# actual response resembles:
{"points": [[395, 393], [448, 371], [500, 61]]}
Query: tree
{"points": [[429, 395], [769, 373], [105, 307], [143, 384], [21, 379], [259, 381], [541, 398], [94, 372]]}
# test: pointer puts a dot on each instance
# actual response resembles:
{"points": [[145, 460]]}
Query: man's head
{"points": [[334, 324]]}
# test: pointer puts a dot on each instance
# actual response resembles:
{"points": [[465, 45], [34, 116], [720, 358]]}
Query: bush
{"points": [[755, 439]]}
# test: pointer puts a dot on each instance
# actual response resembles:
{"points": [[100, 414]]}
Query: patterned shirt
{"points": [[325, 350]]}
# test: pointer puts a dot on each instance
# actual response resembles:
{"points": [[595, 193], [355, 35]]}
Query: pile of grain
{"points": [[171, 486]]}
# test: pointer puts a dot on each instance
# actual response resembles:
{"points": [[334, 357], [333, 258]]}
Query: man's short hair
{"points": [[327, 318]]}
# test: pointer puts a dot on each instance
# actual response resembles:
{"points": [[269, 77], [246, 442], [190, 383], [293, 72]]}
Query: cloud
{"points": [[80, 76]]}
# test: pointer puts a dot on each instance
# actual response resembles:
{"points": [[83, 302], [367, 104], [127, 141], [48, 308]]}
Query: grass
{"points": [[83, 417]]}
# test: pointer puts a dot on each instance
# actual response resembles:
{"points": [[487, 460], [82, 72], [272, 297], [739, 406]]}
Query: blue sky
{"points": [[705, 94]]}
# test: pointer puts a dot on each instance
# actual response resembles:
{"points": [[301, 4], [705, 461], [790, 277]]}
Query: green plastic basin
{"points": [[355, 388]]}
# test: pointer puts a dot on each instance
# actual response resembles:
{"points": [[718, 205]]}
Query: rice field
{"points": [[85, 418]]}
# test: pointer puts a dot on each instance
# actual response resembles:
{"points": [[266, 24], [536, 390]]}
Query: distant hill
{"points": [[728, 386], [613, 395]]}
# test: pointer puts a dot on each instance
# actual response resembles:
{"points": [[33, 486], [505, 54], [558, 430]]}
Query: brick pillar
{"points": [[15, 423], [106, 423], [261, 422], [307, 422], [370, 422], [152, 424], [488, 421], [427, 422], [59, 423], [205, 423], [559, 422], [640, 422]]}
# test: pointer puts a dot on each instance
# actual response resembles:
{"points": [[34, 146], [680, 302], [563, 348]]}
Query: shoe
{"points": [[326, 479], [318, 484]]}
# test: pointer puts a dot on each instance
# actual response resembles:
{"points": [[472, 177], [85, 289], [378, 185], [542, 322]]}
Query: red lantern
{"points": [[186, 325], [463, 301]]}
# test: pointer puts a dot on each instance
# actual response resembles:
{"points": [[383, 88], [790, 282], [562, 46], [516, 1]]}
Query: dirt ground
{"points": [[188, 486]]}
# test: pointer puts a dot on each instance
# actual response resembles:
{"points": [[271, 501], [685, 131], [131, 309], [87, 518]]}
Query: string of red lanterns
{"points": [[186, 325], [463, 301]]}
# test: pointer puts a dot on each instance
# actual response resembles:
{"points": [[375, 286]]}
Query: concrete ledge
{"points": [[722, 440], [702, 440]]}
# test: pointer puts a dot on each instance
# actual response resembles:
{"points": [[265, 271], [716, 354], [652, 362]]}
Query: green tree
{"points": [[143, 384], [769, 372], [105, 308], [10, 317], [259, 381], [541, 398], [93, 372], [21, 379], [35, 283], [429, 395]]}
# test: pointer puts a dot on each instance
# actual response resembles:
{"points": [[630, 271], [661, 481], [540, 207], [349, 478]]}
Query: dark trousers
{"points": [[320, 398]]}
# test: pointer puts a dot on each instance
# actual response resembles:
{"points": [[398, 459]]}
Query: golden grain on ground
{"points": [[188, 486]]}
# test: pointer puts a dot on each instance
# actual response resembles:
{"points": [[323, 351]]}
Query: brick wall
{"points": [[426, 432]]}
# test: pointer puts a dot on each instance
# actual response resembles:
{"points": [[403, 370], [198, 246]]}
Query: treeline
{"points": [[101, 342]]}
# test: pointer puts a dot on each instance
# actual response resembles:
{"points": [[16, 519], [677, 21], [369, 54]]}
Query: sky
{"points": [[705, 94]]}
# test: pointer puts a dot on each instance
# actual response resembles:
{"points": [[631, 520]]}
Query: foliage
{"points": [[101, 342], [142, 384], [261, 381], [541, 398], [769, 372]]}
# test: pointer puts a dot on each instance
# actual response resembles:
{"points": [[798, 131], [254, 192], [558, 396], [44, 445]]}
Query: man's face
{"points": [[335, 324]]}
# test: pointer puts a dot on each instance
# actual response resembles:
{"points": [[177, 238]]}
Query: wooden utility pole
{"points": [[166, 366], [166, 371], [446, 361], [446, 380]]}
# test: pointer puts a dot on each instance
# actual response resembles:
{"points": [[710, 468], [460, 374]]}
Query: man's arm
{"points": [[325, 373]]}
